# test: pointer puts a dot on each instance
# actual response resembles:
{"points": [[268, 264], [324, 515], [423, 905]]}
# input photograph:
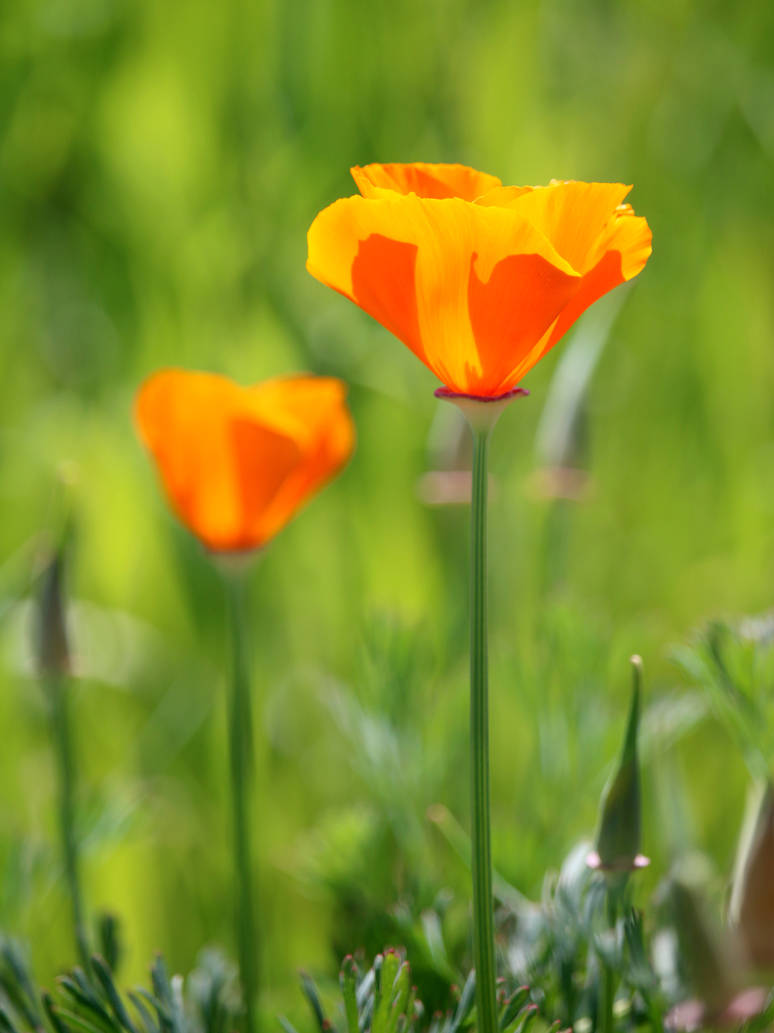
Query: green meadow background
{"points": [[160, 163]]}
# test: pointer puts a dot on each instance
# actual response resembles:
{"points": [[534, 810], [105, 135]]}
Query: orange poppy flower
{"points": [[238, 462], [478, 279]]}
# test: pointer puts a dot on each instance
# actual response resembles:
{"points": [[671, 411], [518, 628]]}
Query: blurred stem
{"points": [[241, 750], [555, 535], [58, 692], [608, 979], [483, 920]]}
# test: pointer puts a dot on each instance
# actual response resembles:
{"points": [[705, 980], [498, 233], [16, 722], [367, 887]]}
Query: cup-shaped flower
{"points": [[237, 462], [478, 279]]}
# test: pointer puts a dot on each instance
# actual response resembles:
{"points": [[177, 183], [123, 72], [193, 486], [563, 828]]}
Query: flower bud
{"points": [[52, 650], [751, 911], [711, 962], [704, 953], [618, 838]]}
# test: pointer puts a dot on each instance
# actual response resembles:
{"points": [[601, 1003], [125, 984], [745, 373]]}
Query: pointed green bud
{"points": [[52, 650], [618, 838], [751, 911], [708, 958]]}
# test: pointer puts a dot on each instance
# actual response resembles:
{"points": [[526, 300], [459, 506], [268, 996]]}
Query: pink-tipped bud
{"points": [[618, 837]]}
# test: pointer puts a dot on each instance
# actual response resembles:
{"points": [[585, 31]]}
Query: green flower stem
{"points": [[58, 693], [606, 999], [241, 750], [483, 917], [606, 1019]]}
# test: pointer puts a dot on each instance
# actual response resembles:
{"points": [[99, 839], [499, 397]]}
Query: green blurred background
{"points": [[159, 166]]}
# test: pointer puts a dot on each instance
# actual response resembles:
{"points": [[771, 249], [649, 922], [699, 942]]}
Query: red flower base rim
{"points": [[446, 392]]}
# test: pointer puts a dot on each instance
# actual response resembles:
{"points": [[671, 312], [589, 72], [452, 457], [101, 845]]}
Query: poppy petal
{"points": [[313, 411], [352, 249], [510, 311], [620, 254], [423, 179], [264, 461], [628, 235], [571, 214]]}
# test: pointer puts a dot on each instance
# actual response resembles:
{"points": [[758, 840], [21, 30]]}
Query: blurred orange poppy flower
{"points": [[480, 280], [238, 462]]}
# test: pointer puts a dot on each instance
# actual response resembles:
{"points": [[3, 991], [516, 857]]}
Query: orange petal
{"points": [[423, 179], [627, 235], [313, 411], [502, 197], [619, 254], [511, 311], [263, 463], [415, 264], [351, 249], [235, 463], [572, 215]]}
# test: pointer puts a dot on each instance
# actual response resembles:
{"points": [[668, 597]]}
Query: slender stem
{"points": [[483, 919], [241, 750], [608, 980], [58, 694]]}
